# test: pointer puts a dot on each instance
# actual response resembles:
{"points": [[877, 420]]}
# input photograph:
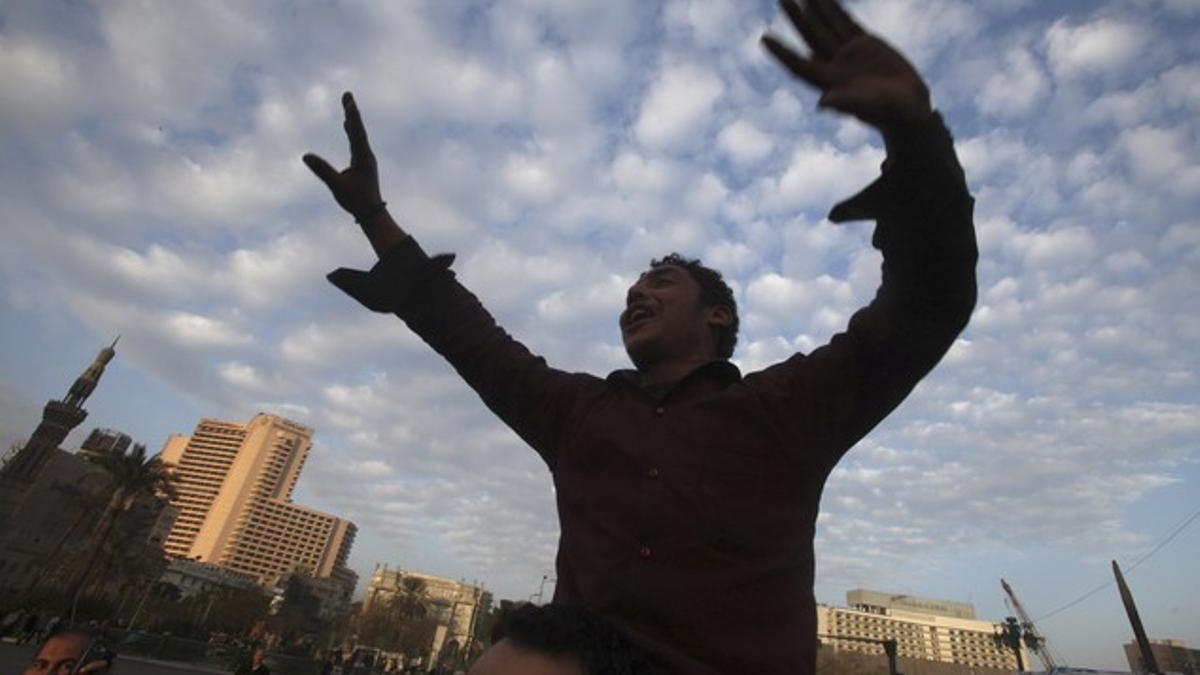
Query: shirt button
{"points": [[653, 472], [659, 410], [644, 551]]}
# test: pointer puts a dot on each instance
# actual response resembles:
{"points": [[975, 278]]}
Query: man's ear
{"points": [[720, 316]]}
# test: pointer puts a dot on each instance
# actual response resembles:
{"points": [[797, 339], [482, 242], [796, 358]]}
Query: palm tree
{"points": [[132, 476]]}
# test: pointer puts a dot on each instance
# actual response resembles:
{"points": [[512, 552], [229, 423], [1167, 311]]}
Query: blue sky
{"points": [[151, 185]]}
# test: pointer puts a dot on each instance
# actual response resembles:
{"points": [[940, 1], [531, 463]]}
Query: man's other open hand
{"points": [[856, 72]]}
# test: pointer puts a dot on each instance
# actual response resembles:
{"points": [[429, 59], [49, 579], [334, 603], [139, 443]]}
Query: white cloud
{"points": [[329, 345], [195, 330], [1181, 84], [705, 196], [241, 375], [1126, 261], [1163, 156], [605, 298], [710, 21], [48, 81], [635, 172], [820, 175], [1016, 89], [531, 178], [1056, 248], [225, 185], [744, 142], [169, 60], [983, 156], [731, 257], [1103, 46], [678, 106], [920, 28], [780, 306]]}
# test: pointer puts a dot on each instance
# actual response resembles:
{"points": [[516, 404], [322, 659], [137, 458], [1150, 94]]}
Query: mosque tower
{"points": [[58, 419]]}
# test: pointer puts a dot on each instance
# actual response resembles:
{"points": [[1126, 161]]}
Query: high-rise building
{"points": [[234, 497], [923, 629]]}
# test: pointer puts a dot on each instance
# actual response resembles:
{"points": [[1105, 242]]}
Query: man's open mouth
{"points": [[634, 316]]}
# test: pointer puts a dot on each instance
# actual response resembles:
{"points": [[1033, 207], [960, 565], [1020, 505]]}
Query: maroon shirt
{"points": [[687, 515]]}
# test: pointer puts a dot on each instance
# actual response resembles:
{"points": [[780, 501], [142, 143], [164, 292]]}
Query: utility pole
{"points": [[1010, 636], [138, 609], [1135, 620], [1033, 640], [211, 597]]}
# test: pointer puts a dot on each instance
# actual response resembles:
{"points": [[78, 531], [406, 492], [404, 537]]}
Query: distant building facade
{"points": [[103, 442], [1173, 656], [924, 629], [192, 578], [456, 605], [234, 497]]}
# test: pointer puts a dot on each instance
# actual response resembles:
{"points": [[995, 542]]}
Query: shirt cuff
{"points": [[920, 178], [395, 279]]}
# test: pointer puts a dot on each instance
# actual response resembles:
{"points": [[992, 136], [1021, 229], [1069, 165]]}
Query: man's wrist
{"points": [[900, 136], [381, 230], [370, 213]]}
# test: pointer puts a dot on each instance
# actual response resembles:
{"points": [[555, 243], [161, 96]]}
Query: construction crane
{"points": [[1033, 640]]}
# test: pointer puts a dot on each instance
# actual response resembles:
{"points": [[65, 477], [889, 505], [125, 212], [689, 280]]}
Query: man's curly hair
{"points": [[713, 292]]}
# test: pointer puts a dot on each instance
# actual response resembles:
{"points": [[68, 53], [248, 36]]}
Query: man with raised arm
{"points": [[687, 493]]}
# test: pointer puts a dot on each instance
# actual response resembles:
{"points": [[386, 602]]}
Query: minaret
{"points": [[58, 419]]}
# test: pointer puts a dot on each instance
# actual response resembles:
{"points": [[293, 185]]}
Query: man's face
{"points": [[60, 654], [506, 658], [665, 319]]}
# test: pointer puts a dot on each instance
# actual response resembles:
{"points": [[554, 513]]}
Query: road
{"points": [[14, 658]]}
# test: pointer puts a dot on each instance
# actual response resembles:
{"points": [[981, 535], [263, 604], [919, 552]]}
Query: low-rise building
{"points": [[192, 577], [1173, 656], [922, 628], [456, 605]]}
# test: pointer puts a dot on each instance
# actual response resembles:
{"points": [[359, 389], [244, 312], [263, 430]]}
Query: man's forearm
{"points": [[926, 234]]}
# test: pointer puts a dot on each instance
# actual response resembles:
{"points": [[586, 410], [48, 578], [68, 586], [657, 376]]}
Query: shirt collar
{"points": [[719, 369]]}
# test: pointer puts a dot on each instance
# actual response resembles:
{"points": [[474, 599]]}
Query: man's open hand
{"points": [[856, 73], [356, 188]]}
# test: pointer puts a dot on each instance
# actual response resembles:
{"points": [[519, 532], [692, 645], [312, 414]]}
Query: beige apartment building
{"points": [[924, 629], [235, 501]]}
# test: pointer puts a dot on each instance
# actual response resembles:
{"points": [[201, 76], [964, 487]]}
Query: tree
{"points": [[231, 610], [300, 612], [132, 475], [403, 623]]}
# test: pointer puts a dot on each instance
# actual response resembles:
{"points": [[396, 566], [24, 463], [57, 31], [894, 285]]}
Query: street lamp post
{"points": [[542, 588]]}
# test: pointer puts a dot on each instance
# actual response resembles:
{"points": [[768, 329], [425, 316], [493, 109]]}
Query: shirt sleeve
{"points": [[924, 229], [528, 395]]}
